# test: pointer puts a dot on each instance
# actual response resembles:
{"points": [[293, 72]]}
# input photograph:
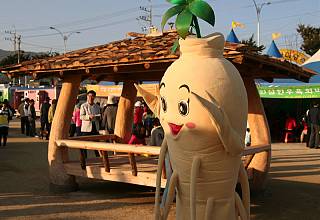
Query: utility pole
{"points": [[16, 40], [258, 11], [19, 46], [147, 17]]}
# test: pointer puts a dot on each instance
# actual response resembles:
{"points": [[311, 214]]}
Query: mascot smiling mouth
{"points": [[175, 129]]}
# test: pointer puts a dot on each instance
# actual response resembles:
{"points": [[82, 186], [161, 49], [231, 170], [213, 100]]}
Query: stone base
{"points": [[57, 189]]}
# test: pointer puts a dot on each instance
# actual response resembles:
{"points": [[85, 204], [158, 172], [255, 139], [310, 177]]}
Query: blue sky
{"points": [[102, 21]]}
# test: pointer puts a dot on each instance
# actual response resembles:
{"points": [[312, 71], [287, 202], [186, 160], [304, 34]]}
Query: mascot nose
{"points": [[175, 129]]}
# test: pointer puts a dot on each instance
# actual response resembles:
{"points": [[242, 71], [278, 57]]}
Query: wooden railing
{"points": [[115, 147], [99, 142], [256, 149], [107, 137]]}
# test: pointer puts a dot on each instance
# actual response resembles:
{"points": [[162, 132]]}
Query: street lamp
{"points": [[65, 37], [258, 10]]}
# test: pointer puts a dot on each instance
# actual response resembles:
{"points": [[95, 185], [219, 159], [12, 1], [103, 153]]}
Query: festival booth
{"points": [[288, 96], [132, 60]]}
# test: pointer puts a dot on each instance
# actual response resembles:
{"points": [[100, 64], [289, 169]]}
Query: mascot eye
{"points": [[183, 107], [164, 104]]}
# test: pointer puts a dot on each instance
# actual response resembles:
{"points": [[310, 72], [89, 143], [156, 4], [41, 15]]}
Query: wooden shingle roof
{"points": [[145, 57]]}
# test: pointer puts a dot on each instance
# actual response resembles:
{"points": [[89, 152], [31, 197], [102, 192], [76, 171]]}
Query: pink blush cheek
{"points": [[190, 125]]}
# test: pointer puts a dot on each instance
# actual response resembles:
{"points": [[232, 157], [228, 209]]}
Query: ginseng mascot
{"points": [[202, 107]]}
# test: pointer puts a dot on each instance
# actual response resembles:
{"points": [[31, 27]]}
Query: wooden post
{"points": [[124, 118], [105, 160], [60, 181], [133, 164], [83, 163], [259, 165]]}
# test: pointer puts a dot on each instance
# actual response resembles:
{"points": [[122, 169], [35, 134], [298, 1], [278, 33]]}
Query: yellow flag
{"points": [[237, 24], [276, 36]]}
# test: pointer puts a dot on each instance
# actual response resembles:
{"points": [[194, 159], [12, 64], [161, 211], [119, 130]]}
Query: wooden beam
{"points": [[124, 117], [133, 76], [256, 149], [108, 137], [259, 166], [59, 179], [133, 164], [114, 147], [83, 159], [105, 160]]}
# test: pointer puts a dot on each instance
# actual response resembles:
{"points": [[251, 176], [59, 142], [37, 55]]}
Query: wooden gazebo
{"points": [[143, 58]]}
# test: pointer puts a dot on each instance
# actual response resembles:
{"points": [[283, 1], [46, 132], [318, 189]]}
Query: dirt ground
{"points": [[293, 191]]}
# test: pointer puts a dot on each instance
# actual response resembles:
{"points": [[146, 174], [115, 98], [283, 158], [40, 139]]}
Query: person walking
{"points": [[5, 114], [32, 118], [109, 115], [76, 118], [90, 116], [138, 131], [23, 111], [51, 112], [290, 126], [314, 117], [304, 129], [44, 111], [11, 109]]}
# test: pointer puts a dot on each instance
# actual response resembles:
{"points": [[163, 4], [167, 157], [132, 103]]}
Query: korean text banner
{"points": [[290, 92]]}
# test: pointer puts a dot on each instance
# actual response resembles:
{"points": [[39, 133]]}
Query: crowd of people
{"points": [[28, 117], [307, 130], [87, 119]]}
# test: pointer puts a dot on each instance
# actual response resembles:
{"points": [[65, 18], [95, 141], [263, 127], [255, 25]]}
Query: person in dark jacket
{"points": [[109, 115], [44, 118], [314, 117], [32, 118]]}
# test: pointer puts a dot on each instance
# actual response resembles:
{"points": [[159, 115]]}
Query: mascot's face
{"points": [[175, 109], [181, 114]]}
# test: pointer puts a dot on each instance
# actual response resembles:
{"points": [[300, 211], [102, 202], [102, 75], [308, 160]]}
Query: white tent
{"points": [[313, 62]]}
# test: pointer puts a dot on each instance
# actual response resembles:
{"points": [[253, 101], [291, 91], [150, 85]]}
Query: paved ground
{"points": [[293, 191]]}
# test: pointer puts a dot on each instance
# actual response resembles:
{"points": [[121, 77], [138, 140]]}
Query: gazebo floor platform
{"points": [[120, 169]]}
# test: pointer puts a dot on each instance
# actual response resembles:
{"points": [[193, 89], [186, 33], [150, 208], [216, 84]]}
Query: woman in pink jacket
{"points": [[76, 118]]}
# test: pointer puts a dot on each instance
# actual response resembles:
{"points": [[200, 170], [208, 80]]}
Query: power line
{"points": [[81, 21], [40, 46], [88, 20], [273, 2], [83, 29]]}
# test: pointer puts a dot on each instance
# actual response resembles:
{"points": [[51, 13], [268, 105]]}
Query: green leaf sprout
{"points": [[188, 12]]}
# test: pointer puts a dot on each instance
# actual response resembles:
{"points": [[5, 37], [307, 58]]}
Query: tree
{"points": [[253, 45], [13, 59], [311, 38]]}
